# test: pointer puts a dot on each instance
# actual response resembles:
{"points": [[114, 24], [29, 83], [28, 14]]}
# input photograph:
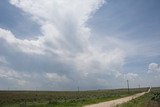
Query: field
{"points": [[151, 99], [60, 99]]}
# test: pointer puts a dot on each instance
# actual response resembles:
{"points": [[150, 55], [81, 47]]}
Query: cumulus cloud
{"points": [[13, 76], [56, 78], [65, 51], [131, 76], [28, 46], [154, 68]]}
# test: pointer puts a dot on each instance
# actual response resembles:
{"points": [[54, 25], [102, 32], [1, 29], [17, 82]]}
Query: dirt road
{"points": [[116, 102]]}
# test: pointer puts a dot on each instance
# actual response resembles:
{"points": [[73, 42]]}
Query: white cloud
{"points": [[53, 77], [131, 76], [65, 33], [59, 10], [128, 76], [63, 25], [153, 68], [28, 46], [65, 41], [98, 61], [13, 76]]}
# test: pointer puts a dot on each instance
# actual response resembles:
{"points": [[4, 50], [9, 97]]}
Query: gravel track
{"points": [[116, 102]]}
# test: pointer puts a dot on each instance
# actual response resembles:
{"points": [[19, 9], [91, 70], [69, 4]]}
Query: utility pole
{"points": [[78, 88], [128, 85], [139, 87]]}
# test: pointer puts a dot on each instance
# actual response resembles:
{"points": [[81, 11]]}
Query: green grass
{"points": [[151, 99], [60, 99]]}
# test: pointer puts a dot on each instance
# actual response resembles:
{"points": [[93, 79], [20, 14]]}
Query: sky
{"points": [[90, 44]]}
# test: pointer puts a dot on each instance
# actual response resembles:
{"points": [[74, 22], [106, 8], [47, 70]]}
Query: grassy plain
{"points": [[151, 99], [59, 98]]}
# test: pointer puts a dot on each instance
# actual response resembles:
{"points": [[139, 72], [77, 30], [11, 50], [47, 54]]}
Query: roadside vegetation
{"points": [[151, 99], [60, 99]]}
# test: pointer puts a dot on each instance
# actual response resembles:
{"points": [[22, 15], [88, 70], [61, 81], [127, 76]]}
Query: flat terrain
{"points": [[61, 99], [116, 102], [151, 99]]}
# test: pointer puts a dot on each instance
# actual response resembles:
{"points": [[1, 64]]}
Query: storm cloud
{"points": [[65, 53]]}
